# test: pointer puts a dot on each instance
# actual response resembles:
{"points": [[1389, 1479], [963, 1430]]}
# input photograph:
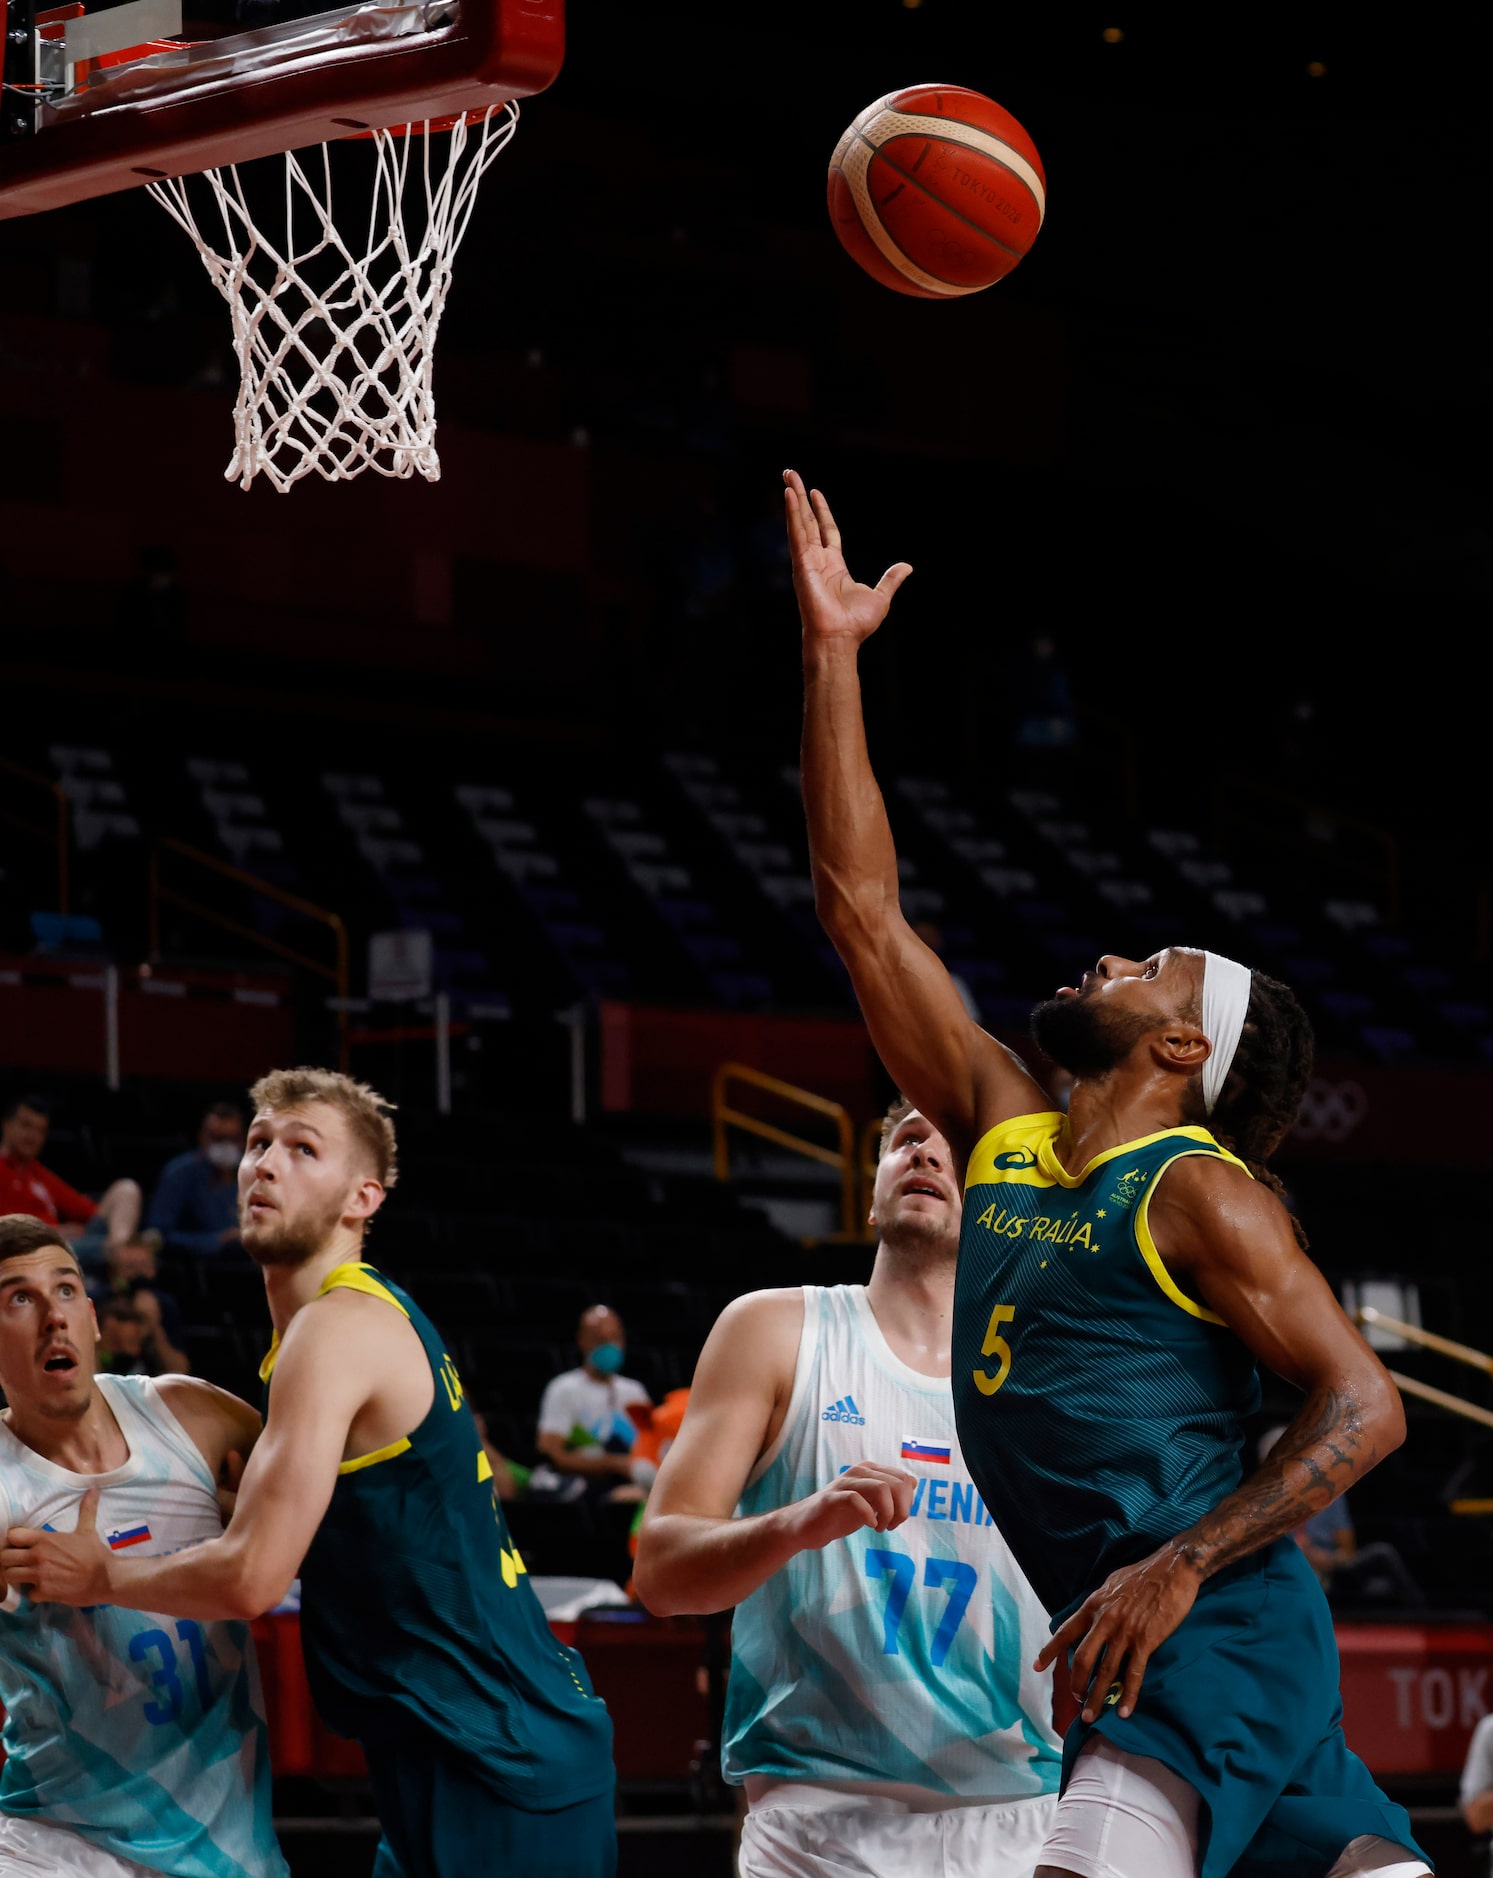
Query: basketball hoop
{"points": [[335, 339]]}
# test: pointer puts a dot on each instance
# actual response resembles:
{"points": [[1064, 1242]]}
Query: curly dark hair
{"points": [[1266, 1081]]}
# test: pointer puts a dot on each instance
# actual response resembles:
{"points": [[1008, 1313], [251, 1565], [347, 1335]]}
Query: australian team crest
{"points": [[1128, 1188]]}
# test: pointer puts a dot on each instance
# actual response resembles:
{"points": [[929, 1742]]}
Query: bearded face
{"points": [[1085, 1038], [288, 1239]]}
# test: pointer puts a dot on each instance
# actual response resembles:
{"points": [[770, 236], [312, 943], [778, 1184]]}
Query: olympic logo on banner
{"points": [[1330, 1111]]}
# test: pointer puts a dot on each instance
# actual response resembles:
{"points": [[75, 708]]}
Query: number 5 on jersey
{"points": [[995, 1345]]}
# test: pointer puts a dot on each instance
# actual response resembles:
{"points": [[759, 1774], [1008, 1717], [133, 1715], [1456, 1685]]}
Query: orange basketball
{"points": [[936, 191]]}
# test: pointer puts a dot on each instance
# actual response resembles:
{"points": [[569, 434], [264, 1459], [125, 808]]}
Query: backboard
{"points": [[107, 97]]}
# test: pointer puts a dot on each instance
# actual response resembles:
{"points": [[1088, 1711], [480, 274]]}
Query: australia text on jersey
{"points": [[1009, 1225]]}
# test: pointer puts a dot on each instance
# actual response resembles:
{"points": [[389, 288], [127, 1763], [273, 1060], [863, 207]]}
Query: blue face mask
{"points": [[607, 1357]]}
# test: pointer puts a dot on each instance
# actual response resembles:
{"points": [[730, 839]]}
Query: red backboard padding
{"points": [[500, 49]]}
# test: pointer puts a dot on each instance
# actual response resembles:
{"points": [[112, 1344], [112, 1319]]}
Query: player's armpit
{"points": [[692, 1554]]}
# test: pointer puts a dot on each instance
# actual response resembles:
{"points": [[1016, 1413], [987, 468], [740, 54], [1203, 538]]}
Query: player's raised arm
{"points": [[950, 1069], [694, 1556]]}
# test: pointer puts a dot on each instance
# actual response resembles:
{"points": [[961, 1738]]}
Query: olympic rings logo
{"points": [[1330, 1111]]}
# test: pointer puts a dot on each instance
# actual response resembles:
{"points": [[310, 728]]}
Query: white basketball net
{"points": [[334, 343]]}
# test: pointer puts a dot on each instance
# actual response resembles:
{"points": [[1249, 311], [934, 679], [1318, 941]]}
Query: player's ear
{"points": [[365, 1200], [1180, 1047]]}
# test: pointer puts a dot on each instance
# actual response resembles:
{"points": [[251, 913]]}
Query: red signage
{"points": [[1412, 1694]]}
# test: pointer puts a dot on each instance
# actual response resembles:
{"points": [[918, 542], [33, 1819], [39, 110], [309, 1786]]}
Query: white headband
{"points": [[1225, 1004]]}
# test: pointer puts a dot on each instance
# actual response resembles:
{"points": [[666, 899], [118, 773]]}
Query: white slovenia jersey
{"points": [[890, 1658], [145, 1734]]}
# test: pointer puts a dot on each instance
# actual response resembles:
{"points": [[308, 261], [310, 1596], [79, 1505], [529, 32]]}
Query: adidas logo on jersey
{"points": [[844, 1411]]}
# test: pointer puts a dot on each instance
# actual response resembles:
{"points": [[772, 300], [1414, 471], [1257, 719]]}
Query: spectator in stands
{"points": [[1476, 1793], [1349, 1574], [121, 1339], [130, 1273], [585, 1433], [88, 1226], [130, 1341], [195, 1204]]}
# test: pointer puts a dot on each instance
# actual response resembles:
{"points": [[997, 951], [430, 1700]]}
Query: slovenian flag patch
{"points": [[938, 1451], [137, 1535]]}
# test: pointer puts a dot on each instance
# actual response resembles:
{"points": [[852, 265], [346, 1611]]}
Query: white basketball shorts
{"points": [[1128, 1816], [798, 1831], [30, 1848]]}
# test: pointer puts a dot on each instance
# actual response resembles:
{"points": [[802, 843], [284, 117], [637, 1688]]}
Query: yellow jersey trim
{"points": [[1148, 1245], [1047, 1154], [353, 1276], [484, 1466], [372, 1460], [1018, 1140], [1028, 1143]]}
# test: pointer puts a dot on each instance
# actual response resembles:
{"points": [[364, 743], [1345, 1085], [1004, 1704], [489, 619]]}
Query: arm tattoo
{"points": [[1327, 1447]]}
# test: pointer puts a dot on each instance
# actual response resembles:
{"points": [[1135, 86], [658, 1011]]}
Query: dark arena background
{"points": [[487, 789]]}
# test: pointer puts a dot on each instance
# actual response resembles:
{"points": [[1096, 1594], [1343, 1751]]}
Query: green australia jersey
{"points": [[1099, 1407], [417, 1617]]}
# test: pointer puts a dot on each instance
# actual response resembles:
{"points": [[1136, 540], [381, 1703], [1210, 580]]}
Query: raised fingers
{"points": [[828, 533], [803, 527]]}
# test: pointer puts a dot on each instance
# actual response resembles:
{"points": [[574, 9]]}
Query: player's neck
{"points": [[1107, 1111], [91, 1444], [911, 1294], [288, 1287]]}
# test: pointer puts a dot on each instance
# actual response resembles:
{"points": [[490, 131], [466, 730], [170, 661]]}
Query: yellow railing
{"points": [[56, 832], [336, 973], [1426, 1392], [842, 1158]]}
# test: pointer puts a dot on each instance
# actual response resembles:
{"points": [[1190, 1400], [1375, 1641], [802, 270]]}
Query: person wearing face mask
{"points": [[585, 1432], [195, 1204]]}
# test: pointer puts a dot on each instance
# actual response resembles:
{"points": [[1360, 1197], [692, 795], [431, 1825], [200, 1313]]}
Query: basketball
{"points": [[936, 191]]}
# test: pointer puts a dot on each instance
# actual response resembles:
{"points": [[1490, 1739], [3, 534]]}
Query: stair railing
{"points": [[842, 1158]]}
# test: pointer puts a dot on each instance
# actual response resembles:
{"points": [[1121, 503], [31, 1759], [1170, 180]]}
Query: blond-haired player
{"points": [[424, 1641]]}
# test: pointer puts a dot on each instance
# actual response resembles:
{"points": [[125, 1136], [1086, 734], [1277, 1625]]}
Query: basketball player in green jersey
{"points": [[424, 1640], [1121, 1269]]}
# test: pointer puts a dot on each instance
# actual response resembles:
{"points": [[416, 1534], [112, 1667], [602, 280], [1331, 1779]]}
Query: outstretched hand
{"points": [[831, 603], [60, 1567], [1115, 1630]]}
